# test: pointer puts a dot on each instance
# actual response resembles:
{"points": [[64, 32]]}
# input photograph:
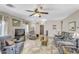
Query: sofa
{"points": [[66, 40]]}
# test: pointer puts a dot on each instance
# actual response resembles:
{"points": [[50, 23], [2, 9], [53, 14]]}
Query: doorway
{"points": [[41, 29]]}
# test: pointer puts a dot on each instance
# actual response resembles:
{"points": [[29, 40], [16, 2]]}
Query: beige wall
{"points": [[49, 27], [71, 18]]}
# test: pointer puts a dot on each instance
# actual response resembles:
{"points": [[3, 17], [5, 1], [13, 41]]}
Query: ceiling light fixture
{"points": [[36, 14]]}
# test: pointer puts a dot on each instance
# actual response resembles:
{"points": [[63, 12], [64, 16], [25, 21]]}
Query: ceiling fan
{"points": [[37, 12]]}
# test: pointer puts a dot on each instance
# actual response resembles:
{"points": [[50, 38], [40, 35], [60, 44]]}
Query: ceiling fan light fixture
{"points": [[37, 14]]}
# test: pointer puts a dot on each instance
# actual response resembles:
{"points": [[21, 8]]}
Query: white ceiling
{"points": [[56, 11]]}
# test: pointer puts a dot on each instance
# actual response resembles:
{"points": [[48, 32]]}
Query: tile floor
{"points": [[34, 47]]}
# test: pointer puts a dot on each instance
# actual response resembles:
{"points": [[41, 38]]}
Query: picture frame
{"points": [[72, 26], [15, 22], [54, 26]]}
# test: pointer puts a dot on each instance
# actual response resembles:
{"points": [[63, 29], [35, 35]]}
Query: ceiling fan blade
{"points": [[29, 10], [32, 14], [36, 10], [44, 12]]}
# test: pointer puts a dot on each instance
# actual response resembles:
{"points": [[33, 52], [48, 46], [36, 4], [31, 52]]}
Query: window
{"points": [[0, 28], [2, 25], [27, 28]]}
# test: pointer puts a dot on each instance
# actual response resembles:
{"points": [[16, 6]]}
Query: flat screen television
{"points": [[19, 32]]}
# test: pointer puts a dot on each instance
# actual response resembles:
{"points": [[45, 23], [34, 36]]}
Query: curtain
{"points": [[3, 25], [0, 24]]}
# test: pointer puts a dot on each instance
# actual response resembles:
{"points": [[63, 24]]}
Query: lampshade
{"points": [[76, 35]]}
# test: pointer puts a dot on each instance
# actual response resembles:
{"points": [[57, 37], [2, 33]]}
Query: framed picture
{"points": [[15, 22], [72, 26], [54, 26]]}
